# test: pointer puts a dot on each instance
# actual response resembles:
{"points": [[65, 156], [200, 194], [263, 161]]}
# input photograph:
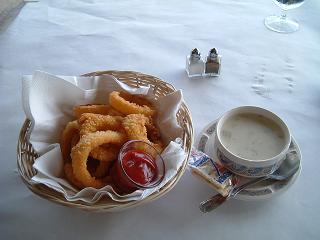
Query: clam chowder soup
{"points": [[252, 136]]}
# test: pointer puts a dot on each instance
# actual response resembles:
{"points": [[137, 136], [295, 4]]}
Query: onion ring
{"points": [[128, 107], [135, 127], [75, 139], [90, 122], [152, 131], [68, 170], [71, 130], [81, 151], [100, 171], [137, 99], [105, 154], [95, 108]]}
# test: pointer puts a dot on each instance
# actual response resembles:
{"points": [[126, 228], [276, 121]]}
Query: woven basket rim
{"points": [[49, 194]]}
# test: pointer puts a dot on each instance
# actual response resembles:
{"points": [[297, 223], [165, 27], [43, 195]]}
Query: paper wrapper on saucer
{"points": [[48, 102], [212, 172]]}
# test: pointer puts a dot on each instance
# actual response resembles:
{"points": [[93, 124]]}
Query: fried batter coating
{"points": [[68, 170], [75, 139], [135, 127], [69, 132], [105, 154], [95, 108], [81, 151], [152, 131], [142, 101], [129, 107], [90, 122]]}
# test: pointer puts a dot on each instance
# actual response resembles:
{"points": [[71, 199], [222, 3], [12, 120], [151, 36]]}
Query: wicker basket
{"points": [[26, 154]]}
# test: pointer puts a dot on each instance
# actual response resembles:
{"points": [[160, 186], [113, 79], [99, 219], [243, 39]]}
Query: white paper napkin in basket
{"points": [[48, 102]]}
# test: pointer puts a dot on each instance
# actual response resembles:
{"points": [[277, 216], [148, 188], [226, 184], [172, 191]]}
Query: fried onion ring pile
{"points": [[91, 143]]}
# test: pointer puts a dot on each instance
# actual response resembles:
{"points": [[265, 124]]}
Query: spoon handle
{"points": [[217, 200], [212, 203], [236, 190]]}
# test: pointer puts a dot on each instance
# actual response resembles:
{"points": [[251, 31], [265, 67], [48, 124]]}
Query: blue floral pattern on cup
{"points": [[244, 170]]}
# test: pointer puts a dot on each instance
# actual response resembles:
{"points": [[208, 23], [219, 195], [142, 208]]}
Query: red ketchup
{"points": [[135, 170]]}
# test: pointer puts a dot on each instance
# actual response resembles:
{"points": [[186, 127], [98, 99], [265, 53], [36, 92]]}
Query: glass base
{"points": [[281, 24]]}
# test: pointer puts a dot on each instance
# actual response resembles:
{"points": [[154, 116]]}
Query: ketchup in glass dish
{"points": [[139, 166]]}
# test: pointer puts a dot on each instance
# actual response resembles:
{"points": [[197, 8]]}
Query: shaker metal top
{"points": [[213, 54], [195, 54]]}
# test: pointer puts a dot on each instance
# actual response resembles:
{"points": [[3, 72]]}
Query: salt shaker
{"points": [[194, 64], [213, 63]]}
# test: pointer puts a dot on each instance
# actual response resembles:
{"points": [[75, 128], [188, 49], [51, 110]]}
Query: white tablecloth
{"points": [[259, 67]]}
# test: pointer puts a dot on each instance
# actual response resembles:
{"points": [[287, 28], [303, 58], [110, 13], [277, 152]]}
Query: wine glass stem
{"points": [[283, 15]]}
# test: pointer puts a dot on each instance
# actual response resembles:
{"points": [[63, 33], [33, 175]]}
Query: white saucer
{"points": [[261, 190]]}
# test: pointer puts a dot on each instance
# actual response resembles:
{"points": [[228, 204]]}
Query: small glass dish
{"points": [[139, 166]]}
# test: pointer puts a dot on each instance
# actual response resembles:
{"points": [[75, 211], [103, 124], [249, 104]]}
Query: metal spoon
{"points": [[289, 167]]}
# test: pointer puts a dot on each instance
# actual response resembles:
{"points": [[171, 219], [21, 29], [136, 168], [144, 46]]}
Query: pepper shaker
{"points": [[194, 64], [213, 63]]}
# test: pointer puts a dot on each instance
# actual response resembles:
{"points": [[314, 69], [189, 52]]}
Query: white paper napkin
{"points": [[48, 101]]}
